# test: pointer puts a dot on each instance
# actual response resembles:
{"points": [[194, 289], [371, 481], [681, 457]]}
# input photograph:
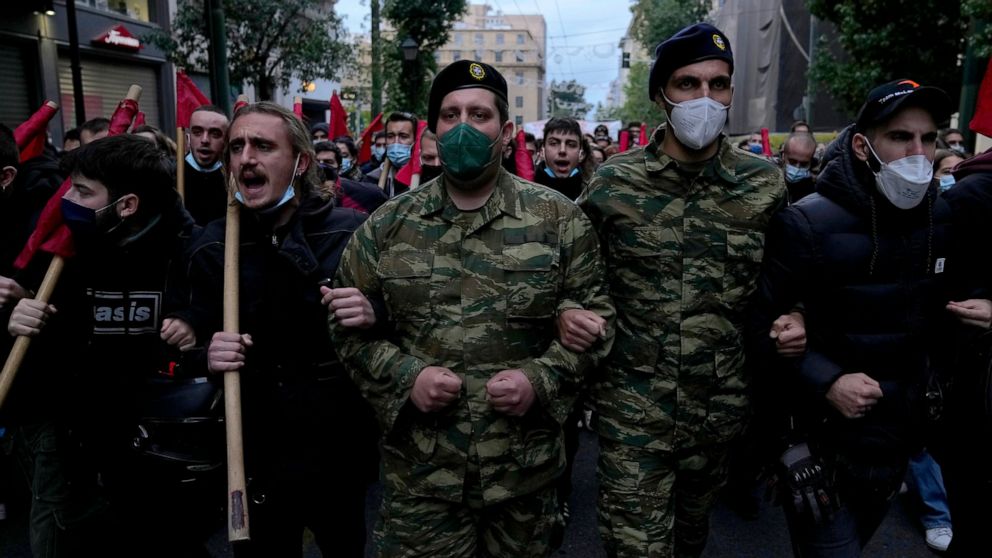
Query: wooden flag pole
{"points": [[20, 348], [237, 517], [384, 175], [181, 162]]}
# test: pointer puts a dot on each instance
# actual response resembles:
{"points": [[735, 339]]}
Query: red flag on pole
{"points": [[523, 158], [766, 144], [405, 174], [139, 120], [241, 102], [298, 107], [188, 99], [339, 118], [365, 151], [50, 234], [624, 140], [642, 140], [982, 121], [30, 135]]}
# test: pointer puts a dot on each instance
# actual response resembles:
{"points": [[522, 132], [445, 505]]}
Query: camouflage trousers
{"points": [[656, 504], [414, 526]]}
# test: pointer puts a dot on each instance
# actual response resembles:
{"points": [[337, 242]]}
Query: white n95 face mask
{"points": [[903, 182], [698, 122]]}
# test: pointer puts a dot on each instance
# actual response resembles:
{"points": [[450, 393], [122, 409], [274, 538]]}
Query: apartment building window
{"points": [[520, 77], [520, 38], [519, 102], [520, 56], [499, 56], [479, 39], [499, 38], [478, 54], [458, 39], [456, 55], [518, 120]]}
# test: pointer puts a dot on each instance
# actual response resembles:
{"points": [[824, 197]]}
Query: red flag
{"points": [[50, 234], [982, 121], [30, 135], [365, 151], [298, 107], [624, 140], [339, 118], [139, 120], [524, 158], [188, 99], [405, 174], [766, 145], [643, 139]]}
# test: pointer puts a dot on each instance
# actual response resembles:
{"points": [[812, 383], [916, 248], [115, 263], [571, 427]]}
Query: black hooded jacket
{"points": [[874, 280], [570, 186], [37, 180]]}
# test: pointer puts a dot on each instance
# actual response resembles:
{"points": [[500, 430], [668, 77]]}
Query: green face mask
{"points": [[466, 152]]}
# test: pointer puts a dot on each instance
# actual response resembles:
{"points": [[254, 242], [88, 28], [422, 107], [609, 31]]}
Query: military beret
{"points": [[695, 43], [887, 99], [463, 74]]}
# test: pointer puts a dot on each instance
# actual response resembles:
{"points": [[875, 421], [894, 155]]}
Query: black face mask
{"points": [[330, 173], [429, 172]]}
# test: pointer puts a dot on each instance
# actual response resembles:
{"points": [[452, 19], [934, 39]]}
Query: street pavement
{"points": [[730, 535]]}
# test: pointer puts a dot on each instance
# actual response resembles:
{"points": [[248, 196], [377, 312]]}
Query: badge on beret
{"points": [[477, 72], [718, 41]]}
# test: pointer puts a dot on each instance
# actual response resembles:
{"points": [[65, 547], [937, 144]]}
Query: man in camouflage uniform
{"points": [[682, 224], [468, 381]]}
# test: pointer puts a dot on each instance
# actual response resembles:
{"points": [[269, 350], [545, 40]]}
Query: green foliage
{"points": [[980, 37], [268, 41], [567, 99], [883, 40], [637, 106], [657, 20], [427, 22]]}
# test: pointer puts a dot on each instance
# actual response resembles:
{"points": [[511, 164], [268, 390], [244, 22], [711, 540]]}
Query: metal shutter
{"points": [[104, 85], [16, 105]]}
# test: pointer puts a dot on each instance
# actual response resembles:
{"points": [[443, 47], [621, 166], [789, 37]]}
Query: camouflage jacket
{"points": [[683, 254], [476, 292]]}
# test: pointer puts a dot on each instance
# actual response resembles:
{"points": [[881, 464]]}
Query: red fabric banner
{"points": [[30, 135], [981, 123], [405, 174], [365, 150], [339, 118], [188, 99], [139, 120], [524, 159], [624, 140], [643, 139]]}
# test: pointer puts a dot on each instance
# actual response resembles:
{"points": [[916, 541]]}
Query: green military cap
{"points": [[463, 74]]}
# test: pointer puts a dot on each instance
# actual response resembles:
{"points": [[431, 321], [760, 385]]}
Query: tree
{"points": [[269, 42], [637, 106], [981, 36], [428, 23], [567, 98], [657, 20], [883, 40]]}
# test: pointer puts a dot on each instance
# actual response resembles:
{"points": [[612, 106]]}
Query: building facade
{"points": [[516, 45], [35, 60]]}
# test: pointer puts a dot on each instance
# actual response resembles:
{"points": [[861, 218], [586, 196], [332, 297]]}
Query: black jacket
{"points": [[206, 194], [293, 387], [570, 186], [37, 179], [874, 281]]}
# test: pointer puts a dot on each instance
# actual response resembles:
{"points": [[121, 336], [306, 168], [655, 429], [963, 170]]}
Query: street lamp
{"points": [[410, 49]]}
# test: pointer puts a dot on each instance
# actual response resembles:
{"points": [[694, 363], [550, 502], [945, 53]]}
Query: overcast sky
{"points": [[583, 36]]}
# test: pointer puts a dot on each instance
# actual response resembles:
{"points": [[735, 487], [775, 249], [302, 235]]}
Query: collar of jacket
{"points": [[656, 160], [504, 199]]}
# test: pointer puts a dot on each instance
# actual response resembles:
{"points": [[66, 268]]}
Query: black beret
{"points": [[885, 100], [695, 43], [463, 74]]}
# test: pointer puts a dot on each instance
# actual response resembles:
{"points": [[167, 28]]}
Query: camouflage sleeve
{"points": [[557, 375], [380, 370]]}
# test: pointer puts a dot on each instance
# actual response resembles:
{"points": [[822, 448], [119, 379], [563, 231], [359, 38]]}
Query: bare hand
{"points": [[178, 333], [11, 291], [578, 329], [789, 333], [435, 388], [854, 394], [974, 311], [227, 351], [349, 307], [29, 316], [510, 392]]}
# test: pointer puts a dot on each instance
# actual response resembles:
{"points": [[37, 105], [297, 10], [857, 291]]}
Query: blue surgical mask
{"points": [[345, 166], [398, 153], [288, 195], [795, 174], [552, 174], [192, 162], [378, 152], [85, 223], [946, 182], [957, 147], [755, 148]]}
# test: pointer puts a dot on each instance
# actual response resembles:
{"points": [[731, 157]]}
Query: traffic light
{"points": [[625, 61]]}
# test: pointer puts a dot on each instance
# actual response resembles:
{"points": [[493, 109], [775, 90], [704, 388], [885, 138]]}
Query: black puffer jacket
{"points": [[874, 281]]}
